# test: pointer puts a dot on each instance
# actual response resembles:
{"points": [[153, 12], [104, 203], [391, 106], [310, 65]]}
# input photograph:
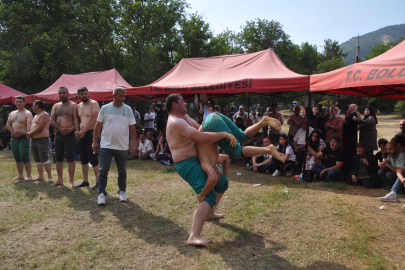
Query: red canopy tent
{"points": [[382, 77], [7, 92], [228, 74], [100, 84]]}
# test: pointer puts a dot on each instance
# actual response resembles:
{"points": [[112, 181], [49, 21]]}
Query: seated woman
{"points": [[316, 143], [166, 159], [160, 148], [287, 153]]}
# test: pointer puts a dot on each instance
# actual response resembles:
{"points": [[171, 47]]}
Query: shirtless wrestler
{"points": [[63, 120], [182, 135], [39, 135], [18, 123], [87, 112]]}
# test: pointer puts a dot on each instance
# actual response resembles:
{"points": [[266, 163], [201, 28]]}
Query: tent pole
{"points": [[309, 115], [248, 104]]}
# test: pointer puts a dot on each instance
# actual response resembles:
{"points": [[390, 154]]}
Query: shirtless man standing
{"points": [[63, 120], [39, 134], [182, 135], [87, 112], [18, 124]]}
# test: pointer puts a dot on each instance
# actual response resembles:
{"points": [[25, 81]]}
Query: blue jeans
{"points": [[398, 187], [333, 174], [120, 157]]}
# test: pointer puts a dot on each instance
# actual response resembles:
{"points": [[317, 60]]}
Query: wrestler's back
{"points": [[181, 147]]}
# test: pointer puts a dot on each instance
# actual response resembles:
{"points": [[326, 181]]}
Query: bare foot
{"points": [[272, 122], [72, 184], [18, 178], [212, 216], [273, 152], [38, 179], [197, 241], [57, 183]]}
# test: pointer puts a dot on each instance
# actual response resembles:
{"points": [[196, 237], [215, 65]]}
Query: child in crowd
{"points": [[285, 151]]}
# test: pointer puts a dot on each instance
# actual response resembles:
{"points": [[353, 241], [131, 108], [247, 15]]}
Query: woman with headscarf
{"points": [[254, 117], [322, 119], [334, 126], [368, 130]]}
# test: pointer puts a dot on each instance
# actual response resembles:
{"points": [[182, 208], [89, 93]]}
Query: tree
{"points": [[308, 58], [381, 48], [332, 50], [329, 65]]}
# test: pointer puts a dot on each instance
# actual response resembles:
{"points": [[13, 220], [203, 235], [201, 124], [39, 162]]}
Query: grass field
{"points": [[282, 224]]}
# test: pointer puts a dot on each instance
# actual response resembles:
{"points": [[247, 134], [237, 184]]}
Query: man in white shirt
{"points": [[145, 148], [149, 120], [206, 108], [117, 120]]}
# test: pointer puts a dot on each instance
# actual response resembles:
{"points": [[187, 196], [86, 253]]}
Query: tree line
{"points": [[143, 39]]}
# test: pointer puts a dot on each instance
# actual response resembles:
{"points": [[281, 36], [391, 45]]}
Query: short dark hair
{"points": [[170, 99], [336, 138], [273, 105], [82, 89], [63, 87], [40, 104], [382, 141], [399, 139], [20, 97]]}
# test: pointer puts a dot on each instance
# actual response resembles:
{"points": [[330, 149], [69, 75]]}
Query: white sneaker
{"points": [[101, 199], [390, 197], [276, 173], [289, 173], [123, 196]]}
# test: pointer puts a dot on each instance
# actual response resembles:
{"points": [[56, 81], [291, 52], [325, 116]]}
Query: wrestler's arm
{"points": [[53, 118], [76, 120], [191, 121], [224, 160], [96, 132], [10, 128], [73, 127], [29, 120], [202, 137]]}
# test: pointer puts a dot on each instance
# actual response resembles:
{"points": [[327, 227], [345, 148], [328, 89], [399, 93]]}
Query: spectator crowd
{"points": [[338, 148]]}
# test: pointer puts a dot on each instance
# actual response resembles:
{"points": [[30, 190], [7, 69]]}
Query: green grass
{"points": [[282, 224]]}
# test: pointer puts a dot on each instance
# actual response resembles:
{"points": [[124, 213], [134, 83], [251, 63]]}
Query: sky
{"points": [[310, 21]]}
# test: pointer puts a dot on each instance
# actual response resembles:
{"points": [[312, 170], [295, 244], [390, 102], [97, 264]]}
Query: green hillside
{"points": [[367, 41]]}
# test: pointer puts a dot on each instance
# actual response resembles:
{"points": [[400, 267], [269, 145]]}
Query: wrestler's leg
{"points": [[265, 122], [212, 215], [250, 151], [200, 214], [211, 180]]}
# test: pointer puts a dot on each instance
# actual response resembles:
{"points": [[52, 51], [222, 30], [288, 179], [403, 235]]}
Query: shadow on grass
{"points": [[246, 250], [252, 251], [133, 218]]}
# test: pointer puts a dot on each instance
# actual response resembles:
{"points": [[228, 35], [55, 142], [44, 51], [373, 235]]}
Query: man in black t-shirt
{"points": [[160, 116], [336, 161], [382, 143]]}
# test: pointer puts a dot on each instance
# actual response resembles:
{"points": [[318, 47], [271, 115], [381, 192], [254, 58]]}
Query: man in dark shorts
{"points": [[87, 112], [39, 135], [63, 120]]}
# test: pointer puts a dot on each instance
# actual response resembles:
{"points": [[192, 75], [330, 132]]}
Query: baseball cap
{"points": [[210, 102]]}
